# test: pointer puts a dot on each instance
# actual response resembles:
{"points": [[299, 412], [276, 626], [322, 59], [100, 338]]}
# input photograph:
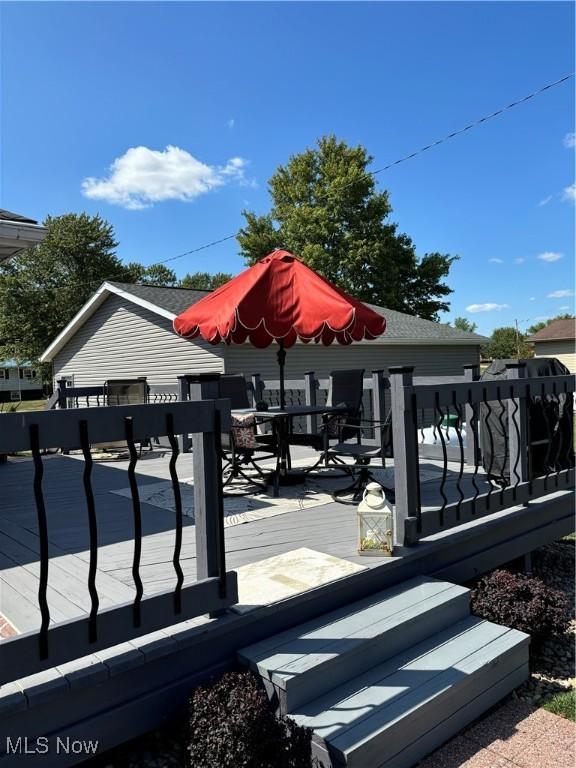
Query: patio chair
{"points": [[362, 453], [345, 388], [243, 446]]}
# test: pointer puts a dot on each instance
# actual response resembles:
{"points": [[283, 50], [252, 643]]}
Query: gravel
{"points": [[552, 661]]}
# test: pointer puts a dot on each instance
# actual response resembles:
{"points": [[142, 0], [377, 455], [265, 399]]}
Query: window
{"points": [[3, 373], [27, 373]]}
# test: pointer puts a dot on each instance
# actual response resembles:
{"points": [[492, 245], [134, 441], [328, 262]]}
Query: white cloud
{"points": [[489, 307], [142, 176], [496, 261], [550, 256], [559, 294], [545, 200], [532, 298], [230, 123], [570, 140], [566, 307], [519, 260], [569, 194]]}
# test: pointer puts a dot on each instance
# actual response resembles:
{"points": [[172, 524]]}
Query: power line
{"points": [[403, 159]]}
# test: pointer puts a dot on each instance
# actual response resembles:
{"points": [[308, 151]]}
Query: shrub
{"points": [[521, 602], [233, 724]]}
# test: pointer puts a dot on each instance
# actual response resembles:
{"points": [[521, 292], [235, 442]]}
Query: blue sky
{"points": [[236, 88]]}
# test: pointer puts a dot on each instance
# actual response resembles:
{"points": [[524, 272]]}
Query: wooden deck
{"points": [[330, 528]]}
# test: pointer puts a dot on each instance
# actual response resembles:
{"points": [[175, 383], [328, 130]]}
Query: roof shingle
{"points": [[400, 326]]}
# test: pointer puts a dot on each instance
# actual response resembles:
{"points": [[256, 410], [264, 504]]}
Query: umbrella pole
{"points": [[281, 354]]}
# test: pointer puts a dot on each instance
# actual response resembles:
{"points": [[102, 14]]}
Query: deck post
{"points": [[472, 373], [257, 387], [406, 481], [62, 399], [207, 479], [310, 384], [379, 408], [184, 442], [517, 426]]}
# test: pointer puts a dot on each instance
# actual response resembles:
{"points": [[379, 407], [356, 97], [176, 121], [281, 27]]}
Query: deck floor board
{"points": [[330, 528]]}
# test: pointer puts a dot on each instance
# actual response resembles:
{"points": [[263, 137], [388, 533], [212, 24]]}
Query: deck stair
{"points": [[385, 680]]}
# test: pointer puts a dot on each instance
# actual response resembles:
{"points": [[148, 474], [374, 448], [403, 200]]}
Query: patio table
{"points": [[280, 419]]}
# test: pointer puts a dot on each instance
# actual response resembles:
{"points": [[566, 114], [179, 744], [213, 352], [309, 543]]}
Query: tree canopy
{"points": [[507, 343], [204, 281], [42, 288], [326, 209], [463, 324]]}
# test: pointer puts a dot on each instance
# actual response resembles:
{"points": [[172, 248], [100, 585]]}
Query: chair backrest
{"points": [[346, 386], [233, 387]]}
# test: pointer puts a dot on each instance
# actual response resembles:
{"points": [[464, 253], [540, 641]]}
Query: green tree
{"points": [[543, 324], [204, 281], [507, 343], [463, 324], [155, 274], [42, 288], [326, 209]]}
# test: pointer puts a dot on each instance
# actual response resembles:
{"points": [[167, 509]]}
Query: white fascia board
{"points": [[140, 302], [16, 236]]}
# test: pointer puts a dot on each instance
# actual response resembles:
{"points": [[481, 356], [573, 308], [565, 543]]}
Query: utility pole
{"points": [[517, 340]]}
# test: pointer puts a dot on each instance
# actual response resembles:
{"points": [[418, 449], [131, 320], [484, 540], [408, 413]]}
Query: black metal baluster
{"points": [[129, 432], [43, 536], [546, 410], [458, 430], [438, 410], [505, 437], [491, 438], [92, 529], [178, 510], [520, 447], [473, 429], [220, 502], [423, 418]]}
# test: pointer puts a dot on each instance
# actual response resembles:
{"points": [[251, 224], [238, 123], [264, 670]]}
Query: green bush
{"points": [[233, 725], [521, 602]]}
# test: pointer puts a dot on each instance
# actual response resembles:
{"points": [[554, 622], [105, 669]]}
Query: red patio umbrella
{"points": [[279, 299]]}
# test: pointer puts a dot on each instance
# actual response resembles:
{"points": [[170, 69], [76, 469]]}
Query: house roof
{"points": [[18, 233], [9, 216], [557, 330], [170, 302]]}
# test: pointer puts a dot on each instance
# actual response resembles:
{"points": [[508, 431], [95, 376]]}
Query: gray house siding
{"points": [[122, 339], [427, 360]]}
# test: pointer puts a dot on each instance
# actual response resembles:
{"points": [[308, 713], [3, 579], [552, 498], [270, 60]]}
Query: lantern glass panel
{"points": [[375, 531]]}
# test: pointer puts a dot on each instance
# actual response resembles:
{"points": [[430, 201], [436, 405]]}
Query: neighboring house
{"points": [[558, 340], [18, 233], [19, 381], [126, 331]]}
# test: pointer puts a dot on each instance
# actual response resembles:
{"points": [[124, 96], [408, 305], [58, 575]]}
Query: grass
{"points": [[563, 704], [22, 405]]}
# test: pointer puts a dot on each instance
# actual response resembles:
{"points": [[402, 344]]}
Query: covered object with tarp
{"points": [[549, 423]]}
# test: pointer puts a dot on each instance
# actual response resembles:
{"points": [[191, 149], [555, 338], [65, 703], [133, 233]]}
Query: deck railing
{"points": [[79, 429], [67, 395], [495, 413]]}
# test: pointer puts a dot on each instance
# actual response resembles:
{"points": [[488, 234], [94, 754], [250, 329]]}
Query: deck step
{"points": [[399, 711], [306, 661]]}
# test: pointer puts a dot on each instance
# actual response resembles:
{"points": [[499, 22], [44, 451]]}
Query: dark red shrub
{"points": [[521, 602], [233, 725]]}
